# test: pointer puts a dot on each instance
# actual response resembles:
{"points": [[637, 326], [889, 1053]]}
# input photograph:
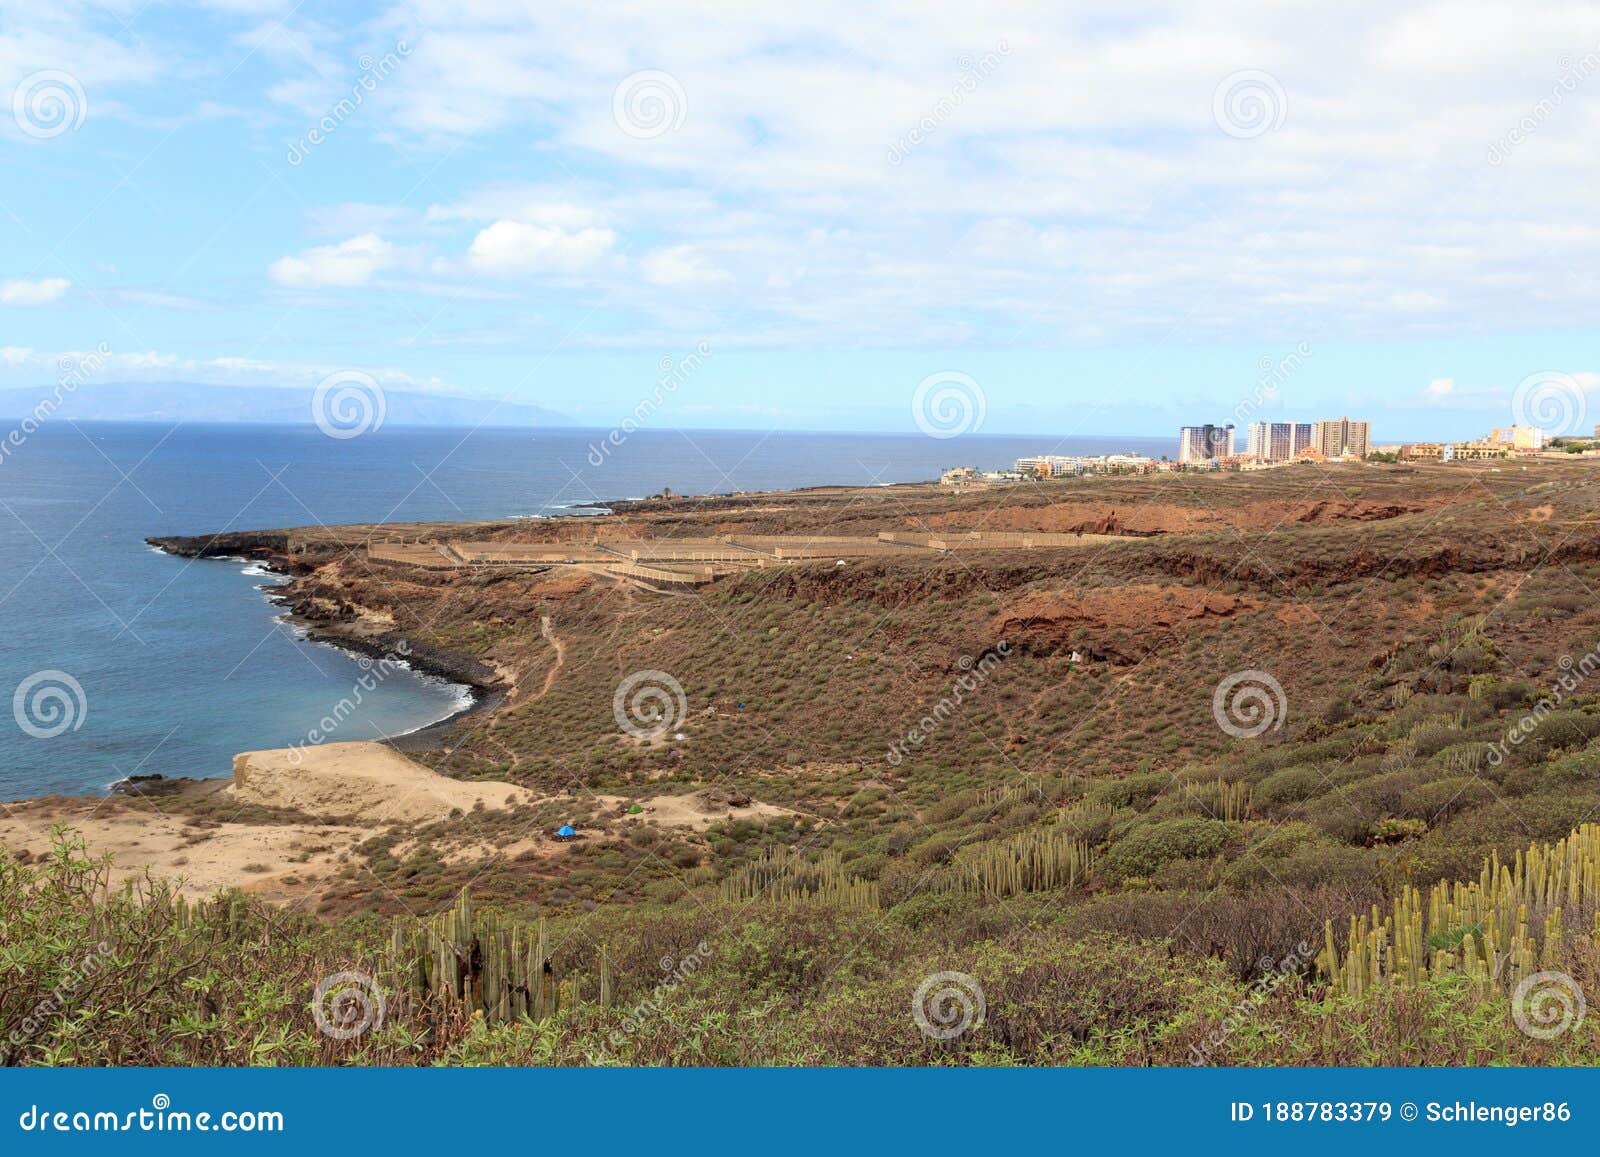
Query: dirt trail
{"points": [[547, 629]]}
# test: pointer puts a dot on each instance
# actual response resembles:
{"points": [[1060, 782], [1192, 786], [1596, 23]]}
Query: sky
{"points": [[1002, 217]]}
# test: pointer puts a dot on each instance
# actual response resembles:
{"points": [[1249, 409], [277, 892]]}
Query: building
{"points": [[1203, 443], [1276, 441], [956, 475], [1049, 466], [1482, 450], [1057, 466], [1519, 437], [1126, 464], [1300, 437], [1340, 438]]}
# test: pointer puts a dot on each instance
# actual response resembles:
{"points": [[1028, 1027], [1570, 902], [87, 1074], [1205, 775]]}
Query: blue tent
{"points": [[565, 831]]}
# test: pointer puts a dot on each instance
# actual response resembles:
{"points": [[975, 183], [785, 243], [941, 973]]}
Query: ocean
{"points": [[120, 660]]}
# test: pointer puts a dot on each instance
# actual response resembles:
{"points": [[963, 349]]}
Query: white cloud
{"points": [[1372, 209], [517, 205], [349, 263], [1439, 389], [41, 292], [1415, 302], [681, 265], [1077, 191], [509, 247]]}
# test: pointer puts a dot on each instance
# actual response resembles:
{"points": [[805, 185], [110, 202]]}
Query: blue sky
{"points": [[1102, 221]]}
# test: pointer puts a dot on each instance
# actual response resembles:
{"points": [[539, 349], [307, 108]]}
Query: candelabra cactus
{"points": [[779, 878], [1506, 925], [1031, 862], [501, 968]]}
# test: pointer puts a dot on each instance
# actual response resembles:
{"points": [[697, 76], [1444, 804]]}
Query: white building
{"points": [[1276, 441]]}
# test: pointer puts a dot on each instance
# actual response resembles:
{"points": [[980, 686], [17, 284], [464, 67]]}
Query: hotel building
{"points": [[1340, 438], [1276, 441], [1203, 443]]}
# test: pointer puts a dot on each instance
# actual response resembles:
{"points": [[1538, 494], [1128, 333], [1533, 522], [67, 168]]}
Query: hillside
{"points": [[1125, 785]]}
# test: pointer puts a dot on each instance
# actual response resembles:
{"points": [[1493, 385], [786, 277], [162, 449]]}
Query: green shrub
{"points": [[1146, 848]]}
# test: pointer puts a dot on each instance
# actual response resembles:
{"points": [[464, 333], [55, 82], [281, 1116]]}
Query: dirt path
{"points": [[547, 629]]}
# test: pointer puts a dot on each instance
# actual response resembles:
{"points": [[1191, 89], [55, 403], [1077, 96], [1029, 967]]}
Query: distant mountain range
{"points": [[197, 402]]}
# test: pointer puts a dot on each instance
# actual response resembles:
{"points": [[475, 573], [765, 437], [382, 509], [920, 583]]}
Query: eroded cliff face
{"points": [[1093, 516], [1119, 624]]}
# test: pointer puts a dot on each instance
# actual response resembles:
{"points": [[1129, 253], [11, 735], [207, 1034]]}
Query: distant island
{"points": [[202, 402]]}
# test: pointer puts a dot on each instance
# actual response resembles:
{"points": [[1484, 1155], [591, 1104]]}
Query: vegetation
{"points": [[1368, 879]]}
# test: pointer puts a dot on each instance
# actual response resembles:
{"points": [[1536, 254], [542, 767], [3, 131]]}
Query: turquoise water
{"points": [[184, 663]]}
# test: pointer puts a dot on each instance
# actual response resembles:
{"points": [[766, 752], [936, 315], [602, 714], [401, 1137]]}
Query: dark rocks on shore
{"points": [[239, 544], [145, 786], [340, 625]]}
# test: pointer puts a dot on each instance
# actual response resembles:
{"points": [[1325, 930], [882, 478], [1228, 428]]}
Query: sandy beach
{"points": [[340, 794]]}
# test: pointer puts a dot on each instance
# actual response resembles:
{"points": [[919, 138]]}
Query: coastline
{"points": [[482, 684], [346, 630], [485, 689]]}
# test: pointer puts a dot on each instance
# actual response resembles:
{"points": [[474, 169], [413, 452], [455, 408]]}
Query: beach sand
{"points": [[367, 782], [345, 793]]}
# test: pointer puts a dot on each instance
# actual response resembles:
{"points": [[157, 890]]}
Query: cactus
{"points": [[494, 966], [1034, 861], [1495, 930], [1084, 816], [779, 878], [1035, 788], [1220, 799]]}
